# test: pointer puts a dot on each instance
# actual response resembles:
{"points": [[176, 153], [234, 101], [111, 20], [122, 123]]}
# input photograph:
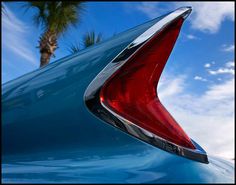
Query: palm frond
{"points": [[99, 38], [40, 17], [90, 38], [55, 16], [74, 48]]}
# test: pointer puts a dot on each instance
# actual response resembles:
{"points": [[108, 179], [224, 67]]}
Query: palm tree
{"points": [[74, 48], [55, 17], [90, 38]]}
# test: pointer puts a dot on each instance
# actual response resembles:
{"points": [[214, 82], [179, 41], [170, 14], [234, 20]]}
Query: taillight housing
{"points": [[125, 93]]}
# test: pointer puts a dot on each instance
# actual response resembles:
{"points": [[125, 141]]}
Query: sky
{"points": [[197, 85]]}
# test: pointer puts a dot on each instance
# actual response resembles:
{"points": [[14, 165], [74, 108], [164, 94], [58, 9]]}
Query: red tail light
{"points": [[131, 91], [124, 93]]}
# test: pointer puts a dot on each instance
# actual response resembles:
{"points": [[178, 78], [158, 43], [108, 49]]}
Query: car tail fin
{"points": [[127, 96]]}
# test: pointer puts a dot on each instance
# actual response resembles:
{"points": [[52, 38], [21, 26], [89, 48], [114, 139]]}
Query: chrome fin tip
{"points": [[186, 11]]}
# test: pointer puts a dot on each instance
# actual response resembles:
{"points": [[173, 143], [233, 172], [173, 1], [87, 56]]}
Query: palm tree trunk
{"points": [[45, 58], [47, 45]]}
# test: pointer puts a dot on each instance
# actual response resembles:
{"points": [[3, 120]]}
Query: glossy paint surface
{"points": [[49, 135], [127, 163], [47, 105]]}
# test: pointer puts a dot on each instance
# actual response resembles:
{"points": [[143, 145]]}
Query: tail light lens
{"points": [[131, 91]]}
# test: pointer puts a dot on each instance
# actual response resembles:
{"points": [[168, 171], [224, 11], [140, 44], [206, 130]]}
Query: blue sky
{"points": [[197, 86]]}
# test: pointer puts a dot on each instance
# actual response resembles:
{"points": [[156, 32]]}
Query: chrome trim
{"points": [[92, 98], [184, 12]]}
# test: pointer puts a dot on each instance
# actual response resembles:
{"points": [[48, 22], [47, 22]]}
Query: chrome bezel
{"points": [[92, 98]]}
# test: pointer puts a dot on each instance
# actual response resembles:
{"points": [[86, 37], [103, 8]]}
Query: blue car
{"points": [[95, 117]]}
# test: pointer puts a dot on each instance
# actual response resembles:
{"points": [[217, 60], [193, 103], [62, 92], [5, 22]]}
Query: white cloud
{"points": [[221, 71], [220, 92], [206, 16], [228, 48], [208, 118], [200, 78], [191, 37], [174, 86], [229, 64], [228, 69], [13, 34], [148, 8], [207, 65]]}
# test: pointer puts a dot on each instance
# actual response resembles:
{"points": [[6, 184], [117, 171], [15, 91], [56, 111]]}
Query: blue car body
{"points": [[50, 136]]}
